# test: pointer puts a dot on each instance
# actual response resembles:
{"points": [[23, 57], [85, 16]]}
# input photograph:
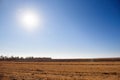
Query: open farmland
{"points": [[10, 70]]}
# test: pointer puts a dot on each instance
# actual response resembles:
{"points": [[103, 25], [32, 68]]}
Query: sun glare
{"points": [[29, 20]]}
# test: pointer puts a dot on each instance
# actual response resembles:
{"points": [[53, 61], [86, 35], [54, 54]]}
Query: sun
{"points": [[29, 20]]}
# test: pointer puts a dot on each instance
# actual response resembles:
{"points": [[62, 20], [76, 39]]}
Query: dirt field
{"points": [[59, 70]]}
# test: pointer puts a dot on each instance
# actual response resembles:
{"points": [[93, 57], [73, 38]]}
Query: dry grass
{"points": [[59, 70]]}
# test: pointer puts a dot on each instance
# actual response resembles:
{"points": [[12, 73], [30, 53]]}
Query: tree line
{"points": [[48, 59], [17, 58]]}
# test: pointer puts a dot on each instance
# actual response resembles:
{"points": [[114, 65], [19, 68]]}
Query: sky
{"points": [[69, 29]]}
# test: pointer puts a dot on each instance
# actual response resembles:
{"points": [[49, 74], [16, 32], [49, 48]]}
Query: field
{"points": [[59, 70]]}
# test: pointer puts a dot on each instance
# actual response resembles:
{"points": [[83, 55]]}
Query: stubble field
{"points": [[59, 70]]}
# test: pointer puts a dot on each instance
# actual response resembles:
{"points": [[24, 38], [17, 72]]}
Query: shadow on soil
{"points": [[1, 76]]}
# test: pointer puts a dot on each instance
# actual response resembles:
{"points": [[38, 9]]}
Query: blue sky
{"points": [[71, 29]]}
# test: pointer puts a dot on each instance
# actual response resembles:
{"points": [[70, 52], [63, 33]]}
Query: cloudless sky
{"points": [[71, 29]]}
